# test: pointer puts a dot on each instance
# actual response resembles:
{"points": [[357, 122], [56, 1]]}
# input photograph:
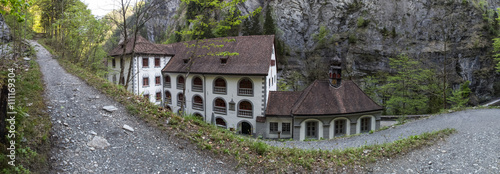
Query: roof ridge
{"points": [[364, 92], [304, 94]]}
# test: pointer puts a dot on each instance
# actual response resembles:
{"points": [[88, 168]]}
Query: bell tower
{"points": [[335, 72]]}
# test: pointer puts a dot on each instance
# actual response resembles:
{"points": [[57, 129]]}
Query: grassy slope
{"points": [[31, 155], [252, 154]]}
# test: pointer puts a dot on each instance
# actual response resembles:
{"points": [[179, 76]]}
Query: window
{"points": [[245, 87], [273, 127], [220, 86], [365, 124], [197, 103], [114, 78], [245, 109], [157, 80], [197, 84], [223, 61], [180, 82], [145, 62], [146, 96], [113, 62], [157, 62], [340, 127], [158, 96], [168, 97], [145, 81], [220, 122], [273, 62], [220, 106], [180, 99], [311, 129], [167, 81], [185, 61], [285, 128]]}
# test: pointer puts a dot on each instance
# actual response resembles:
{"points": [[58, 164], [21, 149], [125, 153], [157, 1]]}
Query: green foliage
{"points": [[496, 48], [252, 26], [460, 96], [407, 87], [321, 38], [203, 26], [315, 68], [17, 8], [362, 23], [75, 33], [352, 38], [269, 25]]}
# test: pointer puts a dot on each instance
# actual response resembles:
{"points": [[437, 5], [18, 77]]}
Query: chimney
{"points": [[335, 72]]}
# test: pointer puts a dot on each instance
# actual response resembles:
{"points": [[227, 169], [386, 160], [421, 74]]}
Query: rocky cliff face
{"points": [[365, 33]]}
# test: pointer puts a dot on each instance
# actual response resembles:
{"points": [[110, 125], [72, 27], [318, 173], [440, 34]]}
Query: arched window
{"points": [[245, 87], [365, 124], [180, 99], [220, 122], [168, 97], [197, 84], [245, 109], [180, 82], [167, 81], [197, 103], [198, 115], [168, 108], [220, 106], [220, 86]]}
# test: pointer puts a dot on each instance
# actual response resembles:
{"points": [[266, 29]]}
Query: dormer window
{"points": [[223, 61], [185, 61]]}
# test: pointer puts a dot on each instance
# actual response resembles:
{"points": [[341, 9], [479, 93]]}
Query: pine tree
{"points": [[269, 26], [407, 88]]}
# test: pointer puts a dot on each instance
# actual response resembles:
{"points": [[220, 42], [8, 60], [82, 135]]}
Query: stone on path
{"points": [[127, 127], [26, 58], [98, 142], [110, 108]]}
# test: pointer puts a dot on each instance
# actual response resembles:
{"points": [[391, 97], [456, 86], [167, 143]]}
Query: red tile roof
{"points": [[254, 56], [142, 46], [322, 99]]}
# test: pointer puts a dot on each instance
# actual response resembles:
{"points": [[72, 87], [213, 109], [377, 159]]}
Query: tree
{"points": [[407, 87], [201, 21], [269, 26], [460, 96], [142, 12]]}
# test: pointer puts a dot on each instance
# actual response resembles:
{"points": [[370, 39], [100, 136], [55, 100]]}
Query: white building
{"points": [[146, 67], [232, 82], [231, 91]]}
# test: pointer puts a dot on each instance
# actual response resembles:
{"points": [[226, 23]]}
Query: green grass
{"points": [[32, 122], [251, 154]]}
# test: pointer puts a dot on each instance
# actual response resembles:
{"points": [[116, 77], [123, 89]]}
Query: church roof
{"points": [[322, 99], [254, 56], [142, 46]]}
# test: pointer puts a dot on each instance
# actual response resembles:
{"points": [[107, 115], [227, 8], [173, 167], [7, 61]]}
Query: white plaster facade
{"points": [[139, 72], [261, 85]]}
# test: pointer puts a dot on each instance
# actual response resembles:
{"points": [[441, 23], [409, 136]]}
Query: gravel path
{"points": [[78, 118], [475, 148]]}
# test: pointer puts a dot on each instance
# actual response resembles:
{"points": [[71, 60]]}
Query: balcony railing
{"points": [[245, 113], [245, 91], [198, 106], [179, 102], [168, 100], [220, 110], [198, 88], [168, 85], [219, 90], [180, 85]]}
